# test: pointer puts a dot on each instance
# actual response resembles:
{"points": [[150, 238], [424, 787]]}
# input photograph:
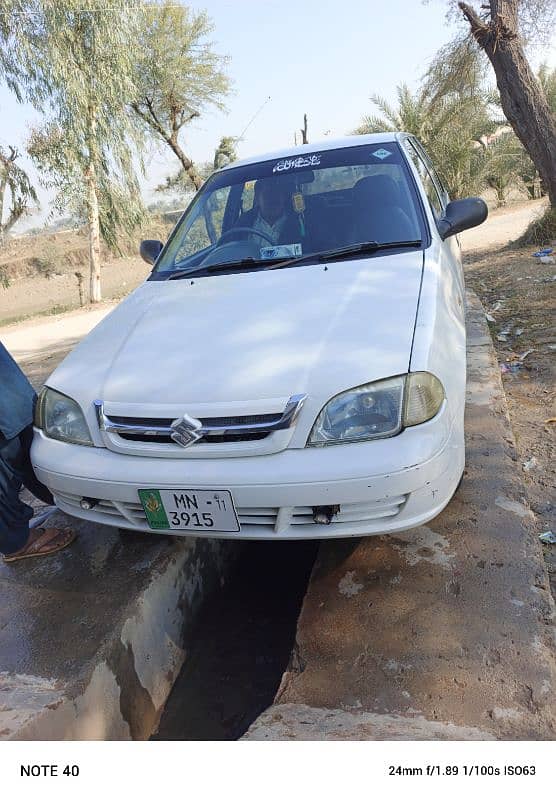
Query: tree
{"points": [[15, 183], [504, 164], [449, 126], [499, 28], [181, 181], [225, 153], [547, 79], [74, 62], [177, 75]]}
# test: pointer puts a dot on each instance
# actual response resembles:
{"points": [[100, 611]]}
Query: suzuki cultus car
{"points": [[293, 367]]}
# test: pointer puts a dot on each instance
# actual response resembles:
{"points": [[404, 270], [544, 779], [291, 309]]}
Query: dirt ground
{"points": [[28, 296], [42, 271], [503, 225], [518, 294]]}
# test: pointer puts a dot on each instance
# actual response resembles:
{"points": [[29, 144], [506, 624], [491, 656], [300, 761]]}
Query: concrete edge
{"points": [[122, 694], [303, 723]]}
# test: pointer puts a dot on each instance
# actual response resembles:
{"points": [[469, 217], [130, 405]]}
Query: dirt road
{"points": [[502, 226], [38, 345]]}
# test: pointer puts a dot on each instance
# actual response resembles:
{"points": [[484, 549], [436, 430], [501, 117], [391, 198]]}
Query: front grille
{"points": [[209, 430], [213, 422], [213, 439]]}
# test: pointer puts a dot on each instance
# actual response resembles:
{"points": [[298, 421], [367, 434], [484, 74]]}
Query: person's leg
{"points": [[14, 514], [17, 542], [29, 479]]}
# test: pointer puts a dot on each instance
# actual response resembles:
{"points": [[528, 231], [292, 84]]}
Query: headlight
{"points": [[377, 410], [367, 412], [423, 398], [61, 418]]}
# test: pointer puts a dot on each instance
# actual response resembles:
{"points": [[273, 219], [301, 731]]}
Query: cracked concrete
{"points": [[446, 631]]}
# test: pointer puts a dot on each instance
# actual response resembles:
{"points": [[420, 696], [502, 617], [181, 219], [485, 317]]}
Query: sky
{"points": [[287, 58]]}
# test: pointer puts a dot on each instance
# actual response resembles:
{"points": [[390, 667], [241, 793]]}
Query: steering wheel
{"points": [[243, 229]]}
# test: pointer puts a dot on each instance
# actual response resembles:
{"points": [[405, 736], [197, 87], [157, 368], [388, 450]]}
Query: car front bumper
{"points": [[382, 486]]}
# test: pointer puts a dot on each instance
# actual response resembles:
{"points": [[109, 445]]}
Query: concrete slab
{"points": [[92, 639], [446, 631]]}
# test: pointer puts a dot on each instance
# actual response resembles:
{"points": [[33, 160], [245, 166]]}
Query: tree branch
{"points": [[149, 118], [479, 28]]}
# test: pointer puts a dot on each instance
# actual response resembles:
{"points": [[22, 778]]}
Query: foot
{"points": [[42, 542]]}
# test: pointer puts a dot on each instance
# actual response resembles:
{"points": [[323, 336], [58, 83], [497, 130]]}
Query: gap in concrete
{"points": [[241, 645]]}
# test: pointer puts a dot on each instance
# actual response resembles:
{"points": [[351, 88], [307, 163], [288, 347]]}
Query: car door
{"points": [[438, 200]]}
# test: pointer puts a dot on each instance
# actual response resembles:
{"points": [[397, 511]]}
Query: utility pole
{"points": [[304, 130]]}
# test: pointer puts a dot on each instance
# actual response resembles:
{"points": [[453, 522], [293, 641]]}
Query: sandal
{"points": [[42, 542]]}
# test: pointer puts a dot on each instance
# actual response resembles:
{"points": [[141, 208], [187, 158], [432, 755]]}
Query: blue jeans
{"points": [[16, 471]]}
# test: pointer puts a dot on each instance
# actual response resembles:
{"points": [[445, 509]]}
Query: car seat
{"points": [[377, 211]]}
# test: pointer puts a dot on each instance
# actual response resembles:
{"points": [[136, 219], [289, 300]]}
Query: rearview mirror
{"points": [[149, 250], [461, 215]]}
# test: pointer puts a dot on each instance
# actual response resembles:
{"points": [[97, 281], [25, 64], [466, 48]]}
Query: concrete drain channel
{"points": [[241, 645]]}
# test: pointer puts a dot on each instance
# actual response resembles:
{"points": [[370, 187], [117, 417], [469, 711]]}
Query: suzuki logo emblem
{"points": [[186, 430]]}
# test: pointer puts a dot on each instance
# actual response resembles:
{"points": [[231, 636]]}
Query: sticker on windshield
{"points": [[296, 163], [282, 251], [298, 202], [382, 153]]}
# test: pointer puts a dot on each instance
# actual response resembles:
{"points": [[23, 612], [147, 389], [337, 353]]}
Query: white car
{"points": [[293, 367]]}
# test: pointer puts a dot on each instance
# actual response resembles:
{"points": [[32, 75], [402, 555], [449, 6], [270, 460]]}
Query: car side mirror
{"points": [[149, 250], [461, 215]]}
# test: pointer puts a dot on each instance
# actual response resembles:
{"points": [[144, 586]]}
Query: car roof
{"points": [[326, 144]]}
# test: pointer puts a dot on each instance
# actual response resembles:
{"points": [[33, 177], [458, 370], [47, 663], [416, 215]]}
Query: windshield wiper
{"points": [[245, 262], [349, 250], [324, 255]]}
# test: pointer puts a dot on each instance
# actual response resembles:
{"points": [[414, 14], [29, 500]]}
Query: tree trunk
{"points": [[186, 163], [95, 293], [521, 95], [305, 140], [3, 187], [2, 194]]}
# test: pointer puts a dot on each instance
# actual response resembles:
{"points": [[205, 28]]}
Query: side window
{"points": [[429, 186], [205, 225], [434, 174]]}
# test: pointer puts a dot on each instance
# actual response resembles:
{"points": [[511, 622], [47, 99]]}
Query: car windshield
{"points": [[254, 215]]}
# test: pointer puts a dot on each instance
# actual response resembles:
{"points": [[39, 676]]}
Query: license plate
{"points": [[189, 510]]}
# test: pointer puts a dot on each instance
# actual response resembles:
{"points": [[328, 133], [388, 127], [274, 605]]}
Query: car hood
{"points": [[316, 330]]}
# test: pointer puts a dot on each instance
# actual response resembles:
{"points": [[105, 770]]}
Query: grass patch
{"points": [[541, 231]]}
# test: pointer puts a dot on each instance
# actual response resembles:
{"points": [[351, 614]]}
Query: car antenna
{"points": [[253, 118]]}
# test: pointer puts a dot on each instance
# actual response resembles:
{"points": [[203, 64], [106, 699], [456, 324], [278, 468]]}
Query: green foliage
{"points": [[177, 74], [225, 153], [458, 119], [73, 61], [547, 79], [449, 128], [15, 185]]}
